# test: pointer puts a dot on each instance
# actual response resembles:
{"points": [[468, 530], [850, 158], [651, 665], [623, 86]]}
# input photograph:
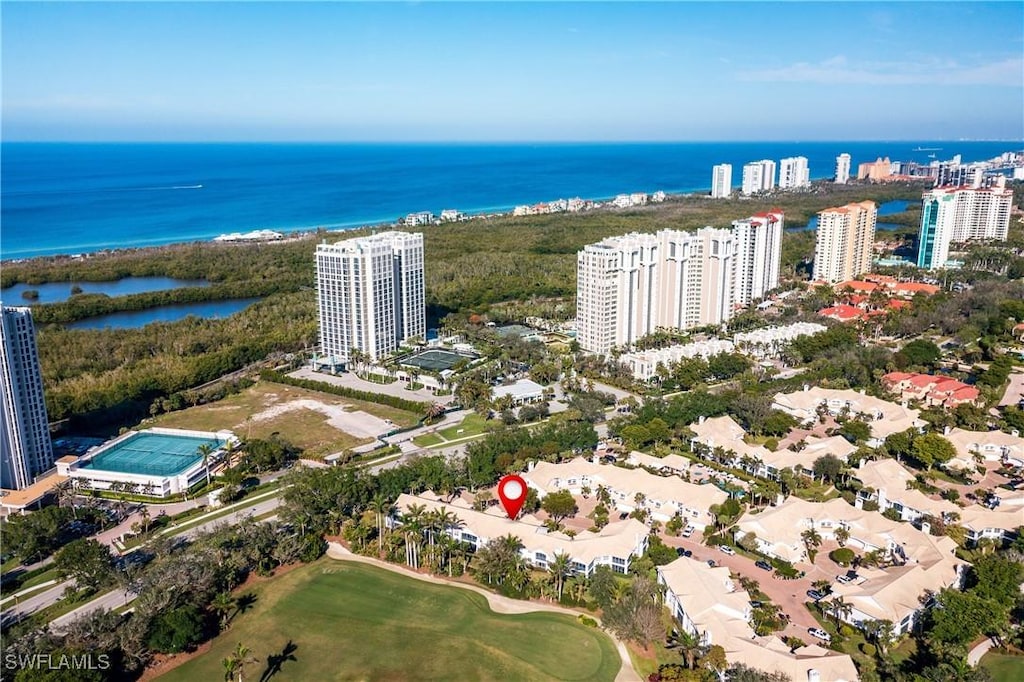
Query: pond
{"points": [[133, 319], [58, 292]]}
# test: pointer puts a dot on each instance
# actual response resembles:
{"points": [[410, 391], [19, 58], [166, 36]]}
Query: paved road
{"points": [[37, 602], [1014, 391]]}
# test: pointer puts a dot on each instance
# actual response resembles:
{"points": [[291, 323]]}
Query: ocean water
{"points": [[62, 198]]}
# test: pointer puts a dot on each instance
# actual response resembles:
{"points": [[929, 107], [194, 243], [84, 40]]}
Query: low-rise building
{"points": [[613, 546], [885, 482], [672, 464], [707, 603], [769, 342], [522, 392], [940, 391], [988, 446], [884, 418], [644, 364], [662, 496]]}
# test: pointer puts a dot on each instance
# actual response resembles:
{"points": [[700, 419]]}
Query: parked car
{"points": [[815, 595], [688, 531], [682, 551], [844, 579], [762, 564], [711, 563], [820, 634], [726, 549], [755, 604]]}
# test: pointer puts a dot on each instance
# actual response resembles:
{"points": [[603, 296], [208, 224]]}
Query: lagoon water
{"points": [[58, 292], [63, 198], [133, 319]]}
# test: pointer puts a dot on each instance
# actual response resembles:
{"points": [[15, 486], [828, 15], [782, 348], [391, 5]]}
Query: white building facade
{"points": [[846, 236], [25, 447], [759, 253], [961, 214], [721, 181], [794, 173], [842, 174], [759, 176], [370, 294]]}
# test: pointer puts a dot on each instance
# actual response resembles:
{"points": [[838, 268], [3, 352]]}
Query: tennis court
{"points": [[435, 360], [152, 454]]}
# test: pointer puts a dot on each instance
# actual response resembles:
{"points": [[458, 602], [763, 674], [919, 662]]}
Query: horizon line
{"points": [[512, 142]]}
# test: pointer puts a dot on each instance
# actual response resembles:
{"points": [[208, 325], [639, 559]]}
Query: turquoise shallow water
{"points": [[154, 454], [78, 198]]}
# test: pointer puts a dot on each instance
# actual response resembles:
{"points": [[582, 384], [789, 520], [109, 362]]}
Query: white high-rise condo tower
{"points": [[759, 176], [793, 173], [721, 181], [370, 294], [961, 214], [758, 255], [846, 237], [842, 169], [25, 448]]}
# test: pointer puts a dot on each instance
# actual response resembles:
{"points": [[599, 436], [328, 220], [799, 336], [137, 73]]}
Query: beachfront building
{"points": [[961, 214], [758, 255], [846, 237], [842, 174], [879, 170], [613, 546], [721, 181], [707, 603], [794, 173], [661, 496], [370, 295], [25, 447], [759, 176], [883, 417]]}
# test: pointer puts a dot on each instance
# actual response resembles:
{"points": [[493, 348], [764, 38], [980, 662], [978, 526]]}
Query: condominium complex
{"points": [[759, 176], [25, 448], [758, 254], [721, 181], [961, 214], [846, 236], [370, 294], [842, 175], [793, 173], [629, 286]]}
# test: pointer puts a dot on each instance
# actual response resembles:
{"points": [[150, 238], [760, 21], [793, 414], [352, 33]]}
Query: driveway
{"points": [[1014, 391]]}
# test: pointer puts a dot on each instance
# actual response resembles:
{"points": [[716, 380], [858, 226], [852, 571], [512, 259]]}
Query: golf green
{"points": [[349, 621]]}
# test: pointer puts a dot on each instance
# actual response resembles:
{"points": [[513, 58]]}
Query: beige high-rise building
{"points": [[962, 214], [846, 236]]}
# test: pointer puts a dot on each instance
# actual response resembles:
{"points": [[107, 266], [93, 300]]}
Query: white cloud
{"points": [[839, 70]]}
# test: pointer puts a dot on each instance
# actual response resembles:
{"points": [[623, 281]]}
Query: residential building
{"points": [[671, 464], [794, 173], [877, 171], [721, 181], [885, 482], [707, 603], [986, 446], [884, 418], [758, 255], [25, 447], [941, 391], [961, 214], [846, 236], [521, 392], [419, 218], [919, 562], [370, 295], [613, 546], [630, 489], [842, 174], [644, 364], [759, 176], [769, 342]]}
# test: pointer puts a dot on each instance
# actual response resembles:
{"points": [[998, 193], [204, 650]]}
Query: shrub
{"points": [[867, 649], [843, 556], [846, 631], [772, 444], [586, 620]]}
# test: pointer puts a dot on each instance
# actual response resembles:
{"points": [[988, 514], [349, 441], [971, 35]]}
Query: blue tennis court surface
{"points": [[152, 454]]}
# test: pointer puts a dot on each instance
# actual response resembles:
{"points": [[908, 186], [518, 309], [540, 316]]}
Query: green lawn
{"points": [[1003, 668], [472, 425], [350, 621]]}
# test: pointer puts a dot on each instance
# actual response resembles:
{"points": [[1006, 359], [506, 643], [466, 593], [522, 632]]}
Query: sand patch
{"points": [[357, 423]]}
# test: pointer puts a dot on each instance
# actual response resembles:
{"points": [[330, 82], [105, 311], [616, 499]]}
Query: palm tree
{"points": [[412, 527], [689, 647], [560, 568], [65, 492], [842, 535], [223, 604], [383, 509], [204, 451], [235, 663], [840, 609], [812, 540]]}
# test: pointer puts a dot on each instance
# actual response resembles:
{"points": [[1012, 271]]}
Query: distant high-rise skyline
{"points": [[759, 176], [794, 173], [842, 174], [25, 447], [370, 295]]}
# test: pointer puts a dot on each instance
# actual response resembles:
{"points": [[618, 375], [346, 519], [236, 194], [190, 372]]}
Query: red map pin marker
{"points": [[512, 493]]}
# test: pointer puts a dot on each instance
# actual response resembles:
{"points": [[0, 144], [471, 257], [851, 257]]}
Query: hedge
{"points": [[413, 406]]}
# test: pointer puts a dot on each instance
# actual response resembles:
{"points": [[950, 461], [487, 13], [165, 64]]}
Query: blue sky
{"points": [[512, 71]]}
